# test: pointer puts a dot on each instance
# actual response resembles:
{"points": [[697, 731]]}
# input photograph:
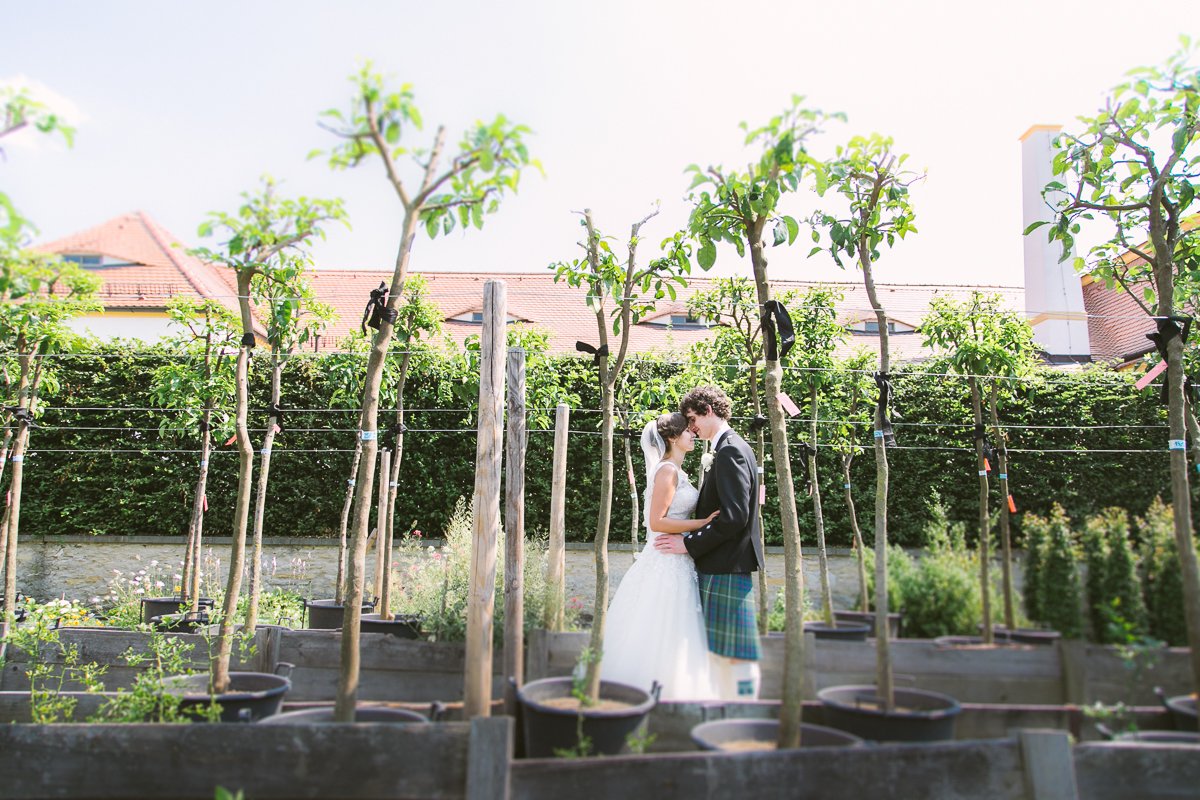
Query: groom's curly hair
{"points": [[700, 399]]}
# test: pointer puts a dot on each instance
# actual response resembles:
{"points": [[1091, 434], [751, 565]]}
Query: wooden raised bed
{"points": [[1070, 672]]}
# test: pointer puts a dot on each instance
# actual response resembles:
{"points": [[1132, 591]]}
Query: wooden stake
{"points": [[382, 544], [514, 530], [485, 528], [556, 563]]}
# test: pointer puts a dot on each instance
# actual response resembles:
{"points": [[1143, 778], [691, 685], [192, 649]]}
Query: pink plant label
{"points": [[787, 404], [1144, 381], [631, 483], [762, 495]]}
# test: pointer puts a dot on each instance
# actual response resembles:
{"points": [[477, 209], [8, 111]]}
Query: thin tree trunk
{"points": [[826, 590], [385, 610], [864, 600], [633, 495], [985, 521], [556, 549], [347, 695], [219, 667], [793, 573], [340, 589], [189, 585], [1005, 539], [261, 501], [24, 400], [600, 609], [1181, 492], [883, 653], [760, 454]]}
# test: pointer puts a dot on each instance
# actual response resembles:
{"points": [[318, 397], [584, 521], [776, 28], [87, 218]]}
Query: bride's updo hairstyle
{"points": [[670, 426]]}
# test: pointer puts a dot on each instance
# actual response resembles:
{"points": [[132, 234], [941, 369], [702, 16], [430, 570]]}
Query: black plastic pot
{"points": [[327, 614], [252, 695], [162, 606], [186, 622], [1024, 635], [856, 710], [324, 715], [404, 626], [548, 729], [845, 631], [1149, 737], [18, 613], [715, 735], [868, 619], [1182, 708]]}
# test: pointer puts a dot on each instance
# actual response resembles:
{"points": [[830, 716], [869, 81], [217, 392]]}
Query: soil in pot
{"points": [[918, 716], [760, 735], [251, 696], [845, 631], [1024, 635], [1149, 737], [404, 626], [362, 713], [162, 606], [868, 619], [549, 728], [327, 614]]}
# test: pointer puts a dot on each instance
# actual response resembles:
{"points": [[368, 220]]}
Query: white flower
{"points": [[706, 462]]}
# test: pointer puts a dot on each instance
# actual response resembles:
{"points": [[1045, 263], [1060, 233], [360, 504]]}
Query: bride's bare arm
{"points": [[665, 485]]}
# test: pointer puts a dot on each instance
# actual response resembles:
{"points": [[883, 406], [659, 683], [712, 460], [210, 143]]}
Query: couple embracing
{"points": [[684, 614]]}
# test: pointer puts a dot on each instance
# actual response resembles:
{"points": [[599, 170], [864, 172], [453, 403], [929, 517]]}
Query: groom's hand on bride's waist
{"points": [[670, 543]]}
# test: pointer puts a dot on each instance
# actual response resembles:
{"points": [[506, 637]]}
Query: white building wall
{"points": [[147, 327], [1053, 291]]}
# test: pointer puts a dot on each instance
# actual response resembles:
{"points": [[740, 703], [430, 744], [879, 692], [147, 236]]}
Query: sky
{"points": [[180, 107]]}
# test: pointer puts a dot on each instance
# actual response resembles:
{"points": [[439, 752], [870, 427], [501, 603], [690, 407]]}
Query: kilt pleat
{"points": [[730, 615]]}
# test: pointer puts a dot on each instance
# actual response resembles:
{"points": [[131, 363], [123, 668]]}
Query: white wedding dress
{"points": [[655, 628]]}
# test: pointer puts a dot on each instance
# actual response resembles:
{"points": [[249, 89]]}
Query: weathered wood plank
{"points": [[514, 526], [265, 761], [490, 758], [378, 651], [485, 514], [556, 557], [1110, 681], [1048, 766], [310, 684], [1111, 771], [950, 771]]}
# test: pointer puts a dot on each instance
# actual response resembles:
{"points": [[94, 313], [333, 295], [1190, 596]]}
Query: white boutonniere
{"points": [[706, 462]]}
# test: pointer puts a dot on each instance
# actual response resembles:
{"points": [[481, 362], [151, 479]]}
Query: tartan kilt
{"points": [[730, 615]]}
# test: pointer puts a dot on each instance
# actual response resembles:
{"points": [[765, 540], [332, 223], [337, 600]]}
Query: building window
{"points": [[477, 316], [686, 319], [84, 261], [873, 327]]}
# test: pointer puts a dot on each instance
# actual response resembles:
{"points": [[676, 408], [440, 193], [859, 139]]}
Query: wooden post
{"points": [[556, 562], [383, 545], [485, 528], [489, 759], [514, 530]]}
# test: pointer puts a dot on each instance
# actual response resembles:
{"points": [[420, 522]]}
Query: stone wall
{"points": [[81, 567]]}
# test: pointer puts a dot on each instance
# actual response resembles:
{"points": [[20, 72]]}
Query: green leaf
{"points": [[1035, 226], [793, 229], [779, 234], [707, 255], [393, 133], [486, 160]]}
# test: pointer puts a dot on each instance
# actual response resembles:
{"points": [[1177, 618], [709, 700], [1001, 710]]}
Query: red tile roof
{"points": [[1117, 325], [537, 299], [154, 265]]}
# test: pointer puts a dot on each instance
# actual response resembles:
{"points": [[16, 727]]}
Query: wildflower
{"points": [[159, 584], [117, 571], [417, 534], [141, 572], [436, 555], [139, 590], [154, 563], [177, 577]]}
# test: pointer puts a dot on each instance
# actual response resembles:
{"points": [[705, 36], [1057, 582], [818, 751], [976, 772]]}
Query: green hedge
{"points": [[149, 491]]}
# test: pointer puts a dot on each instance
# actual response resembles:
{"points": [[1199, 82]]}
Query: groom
{"points": [[727, 549]]}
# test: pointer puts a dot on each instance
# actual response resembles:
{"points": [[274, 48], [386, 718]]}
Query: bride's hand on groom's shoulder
{"points": [[670, 543]]}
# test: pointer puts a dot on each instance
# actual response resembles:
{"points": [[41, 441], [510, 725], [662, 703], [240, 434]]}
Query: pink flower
{"points": [[140, 591], [437, 555]]}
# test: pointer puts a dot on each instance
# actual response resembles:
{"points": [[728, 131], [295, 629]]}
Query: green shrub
{"points": [[1037, 535], [1162, 582], [1114, 595], [1058, 589], [436, 585]]}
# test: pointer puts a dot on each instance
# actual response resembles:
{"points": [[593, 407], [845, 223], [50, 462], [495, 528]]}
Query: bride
{"points": [[655, 629]]}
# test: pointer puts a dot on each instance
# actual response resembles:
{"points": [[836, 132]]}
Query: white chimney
{"points": [[1053, 291]]}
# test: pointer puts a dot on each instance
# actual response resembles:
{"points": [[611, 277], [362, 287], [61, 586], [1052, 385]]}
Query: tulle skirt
{"points": [[655, 629]]}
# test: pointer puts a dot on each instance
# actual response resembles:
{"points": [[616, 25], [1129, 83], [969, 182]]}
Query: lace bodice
{"points": [[683, 504]]}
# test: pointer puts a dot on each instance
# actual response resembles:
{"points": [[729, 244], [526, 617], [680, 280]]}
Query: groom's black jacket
{"points": [[730, 543]]}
